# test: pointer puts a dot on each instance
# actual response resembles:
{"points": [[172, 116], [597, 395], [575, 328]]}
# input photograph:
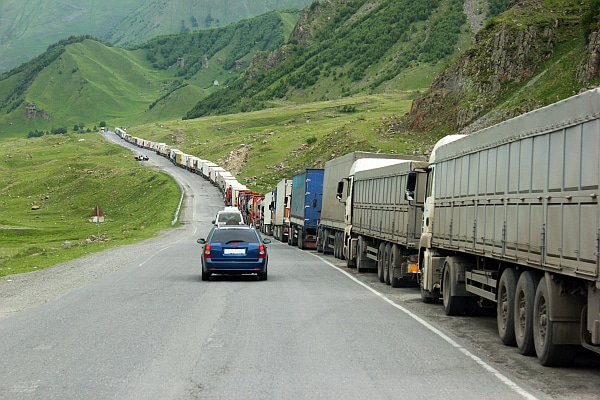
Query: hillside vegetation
{"points": [[28, 27], [535, 53], [81, 80], [343, 48]]}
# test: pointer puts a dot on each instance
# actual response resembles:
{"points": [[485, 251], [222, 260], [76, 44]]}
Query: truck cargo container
{"points": [[206, 168], [307, 196], [511, 221], [266, 214], [281, 209], [333, 224], [213, 172], [383, 228], [232, 193]]}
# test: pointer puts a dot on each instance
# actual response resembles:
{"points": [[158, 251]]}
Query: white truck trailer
{"points": [[281, 209], [330, 236], [382, 226], [511, 221], [266, 214]]}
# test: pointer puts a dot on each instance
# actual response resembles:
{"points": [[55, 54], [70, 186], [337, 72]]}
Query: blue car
{"points": [[234, 250]]}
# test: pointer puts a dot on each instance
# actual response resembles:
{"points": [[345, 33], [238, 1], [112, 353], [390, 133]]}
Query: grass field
{"points": [[51, 185]]}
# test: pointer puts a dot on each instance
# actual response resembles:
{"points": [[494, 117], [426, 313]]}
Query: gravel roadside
{"points": [[23, 291]]}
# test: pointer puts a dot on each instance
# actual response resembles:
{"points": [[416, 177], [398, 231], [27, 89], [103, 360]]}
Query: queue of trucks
{"points": [[505, 219]]}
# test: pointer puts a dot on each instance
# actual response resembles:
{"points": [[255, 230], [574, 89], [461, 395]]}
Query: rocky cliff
{"points": [[501, 75]]}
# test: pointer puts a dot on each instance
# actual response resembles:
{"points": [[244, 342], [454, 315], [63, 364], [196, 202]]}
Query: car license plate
{"points": [[234, 251]]}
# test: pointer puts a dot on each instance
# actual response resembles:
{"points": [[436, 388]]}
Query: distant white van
{"points": [[229, 216]]}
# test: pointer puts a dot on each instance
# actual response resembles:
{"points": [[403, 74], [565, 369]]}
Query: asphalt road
{"points": [[151, 329]]}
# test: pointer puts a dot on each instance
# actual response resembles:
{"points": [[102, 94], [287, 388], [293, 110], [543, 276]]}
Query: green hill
{"points": [[83, 81], [343, 48], [523, 58], [28, 27]]}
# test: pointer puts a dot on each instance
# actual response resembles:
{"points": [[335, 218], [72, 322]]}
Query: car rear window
{"points": [[234, 235], [224, 217]]}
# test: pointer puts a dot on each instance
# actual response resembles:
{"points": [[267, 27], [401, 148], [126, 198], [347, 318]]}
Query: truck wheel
{"points": [[386, 263], [300, 239], [549, 354], [360, 255], [430, 297], [506, 306], [523, 313], [380, 262], [395, 259], [326, 248], [341, 245], [453, 305]]}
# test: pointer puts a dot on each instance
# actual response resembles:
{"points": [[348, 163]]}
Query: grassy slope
{"points": [[28, 27], [104, 83], [67, 176], [277, 138], [91, 82]]}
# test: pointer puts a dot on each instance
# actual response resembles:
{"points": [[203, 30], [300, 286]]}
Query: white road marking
{"points": [[512, 385]]}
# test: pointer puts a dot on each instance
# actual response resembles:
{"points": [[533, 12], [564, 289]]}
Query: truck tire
{"points": [[361, 255], [300, 241], [326, 248], [505, 306], [548, 353], [524, 298], [380, 262], [386, 263], [341, 245], [395, 261], [336, 245], [429, 297], [453, 305]]}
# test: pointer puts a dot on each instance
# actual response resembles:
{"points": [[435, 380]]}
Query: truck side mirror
{"points": [[340, 190], [411, 184]]}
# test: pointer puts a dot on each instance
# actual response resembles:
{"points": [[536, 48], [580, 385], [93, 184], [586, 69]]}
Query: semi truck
{"points": [[340, 171], [281, 209], [511, 221], [305, 211], [382, 229], [266, 214]]}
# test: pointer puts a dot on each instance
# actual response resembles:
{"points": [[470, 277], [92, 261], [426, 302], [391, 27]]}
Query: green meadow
{"points": [[50, 187]]}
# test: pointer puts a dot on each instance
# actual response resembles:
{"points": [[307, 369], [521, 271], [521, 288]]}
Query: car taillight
{"points": [[207, 250], [262, 251]]}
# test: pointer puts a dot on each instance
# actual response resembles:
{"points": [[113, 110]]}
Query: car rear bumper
{"points": [[246, 267]]}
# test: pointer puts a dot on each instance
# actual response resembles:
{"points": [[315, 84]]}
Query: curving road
{"points": [[142, 325]]}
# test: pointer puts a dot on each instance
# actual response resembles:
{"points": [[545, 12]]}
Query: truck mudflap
{"points": [[405, 270], [310, 242]]}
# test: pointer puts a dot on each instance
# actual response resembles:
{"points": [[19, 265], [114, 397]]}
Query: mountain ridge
{"points": [[28, 27]]}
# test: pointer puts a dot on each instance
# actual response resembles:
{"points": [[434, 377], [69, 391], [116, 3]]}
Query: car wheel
{"points": [[205, 276], [262, 276]]}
